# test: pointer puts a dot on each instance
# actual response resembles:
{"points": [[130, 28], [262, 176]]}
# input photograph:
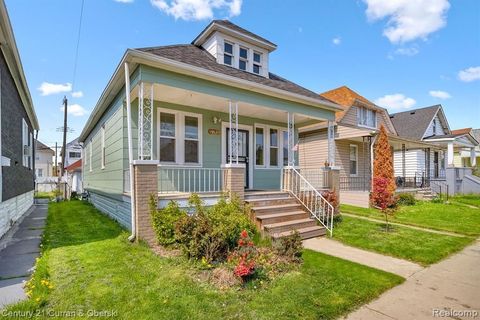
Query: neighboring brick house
{"points": [[17, 125]]}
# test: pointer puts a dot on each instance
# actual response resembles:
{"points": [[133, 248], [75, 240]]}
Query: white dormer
{"points": [[236, 47]]}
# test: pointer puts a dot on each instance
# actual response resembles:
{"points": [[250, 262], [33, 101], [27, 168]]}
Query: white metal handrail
{"points": [[296, 184], [188, 179]]}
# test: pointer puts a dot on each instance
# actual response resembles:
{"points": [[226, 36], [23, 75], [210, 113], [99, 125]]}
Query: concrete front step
{"points": [[305, 233], [281, 217], [289, 225], [259, 211], [252, 195], [262, 202]]}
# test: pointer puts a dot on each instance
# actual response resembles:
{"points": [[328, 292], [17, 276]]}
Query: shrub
{"points": [[290, 247], [405, 199], [244, 257], [164, 220], [212, 233], [382, 198], [331, 197]]}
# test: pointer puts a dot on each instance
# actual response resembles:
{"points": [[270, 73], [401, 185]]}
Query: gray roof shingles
{"points": [[413, 123], [199, 57]]}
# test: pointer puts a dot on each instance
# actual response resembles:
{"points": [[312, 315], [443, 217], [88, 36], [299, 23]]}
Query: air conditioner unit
{"points": [[27, 151]]}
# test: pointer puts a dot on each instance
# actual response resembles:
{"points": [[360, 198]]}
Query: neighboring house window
{"points": [[273, 147], [90, 155], [367, 117], [180, 137], [243, 59], [434, 126], [353, 160], [259, 146], [103, 146], [257, 62], [227, 53], [191, 139], [39, 172], [167, 137], [72, 154]]}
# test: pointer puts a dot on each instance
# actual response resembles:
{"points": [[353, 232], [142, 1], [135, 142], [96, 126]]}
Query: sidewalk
{"points": [[450, 285], [397, 266], [18, 250]]}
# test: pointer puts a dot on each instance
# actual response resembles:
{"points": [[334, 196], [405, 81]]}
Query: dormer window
{"points": [[434, 126], [366, 117], [228, 53], [257, 62], [243, 59]]}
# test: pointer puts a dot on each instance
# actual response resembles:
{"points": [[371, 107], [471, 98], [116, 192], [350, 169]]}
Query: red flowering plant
{"points": [[244, 257]]}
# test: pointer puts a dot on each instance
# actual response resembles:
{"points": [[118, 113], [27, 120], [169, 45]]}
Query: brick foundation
{"points": [[234, 180]]}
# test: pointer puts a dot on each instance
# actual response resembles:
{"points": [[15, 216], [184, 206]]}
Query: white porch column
{"points": [[331, 143], [291, 139], [233, 136], [145, 121], [450, 154], [473, 157]]}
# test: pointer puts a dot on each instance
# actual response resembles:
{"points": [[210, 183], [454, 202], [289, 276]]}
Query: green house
{"points": [[192, 110]]}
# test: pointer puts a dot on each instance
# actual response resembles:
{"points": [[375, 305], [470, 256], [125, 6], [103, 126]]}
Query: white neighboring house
{"points": [[73, 167], [45, 178]]}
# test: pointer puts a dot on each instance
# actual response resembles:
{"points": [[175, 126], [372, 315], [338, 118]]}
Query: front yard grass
{"points": [[470, 199], [453, 217], [44, 195], [402, 242], [90, 265]]}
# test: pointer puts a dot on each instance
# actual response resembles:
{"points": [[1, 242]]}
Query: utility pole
{"points": [[65, 104], [56, 161]]}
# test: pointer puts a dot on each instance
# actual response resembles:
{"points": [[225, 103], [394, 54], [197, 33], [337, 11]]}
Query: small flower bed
{"points": [[218, 242]]}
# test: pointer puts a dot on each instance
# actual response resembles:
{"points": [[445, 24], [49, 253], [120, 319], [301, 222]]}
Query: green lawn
{"points": [[470, 199], [418, 246], [44, 195], [454, 217], [91, 265]]}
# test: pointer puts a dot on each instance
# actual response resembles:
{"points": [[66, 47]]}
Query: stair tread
{"points": [[269, 199], [281, 214], [287, 223], [277, 206], [300, 230]]}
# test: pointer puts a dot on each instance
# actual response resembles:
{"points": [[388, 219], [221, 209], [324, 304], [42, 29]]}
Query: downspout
{"points": [[130, 151]]}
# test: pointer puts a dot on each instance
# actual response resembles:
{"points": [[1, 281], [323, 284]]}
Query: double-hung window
{"points": [[228, 53], [353, 160], [179, 137], [274, 147], [243, 59], [257, 62], [259, 146], [367, 117], [103, 146], [285, 148], [167, 137]]}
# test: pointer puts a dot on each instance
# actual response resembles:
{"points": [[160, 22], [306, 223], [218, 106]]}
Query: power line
{"points": [[78, 44]]}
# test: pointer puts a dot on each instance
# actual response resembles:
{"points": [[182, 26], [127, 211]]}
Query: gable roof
{"points": [[345, 97], [461, 131], [413, 123], [199, 57], [39, 146], [228, 25]]}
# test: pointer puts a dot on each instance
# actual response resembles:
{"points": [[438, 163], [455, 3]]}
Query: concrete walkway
{"points": [[447, 233], [18, 250], [331, 247], [450, 285]]}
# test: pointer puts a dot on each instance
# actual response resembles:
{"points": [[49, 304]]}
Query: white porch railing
{"points": [[298, 186], [188, 180]]}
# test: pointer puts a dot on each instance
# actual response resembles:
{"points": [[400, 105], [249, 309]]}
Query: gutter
{"points": [[130, 151]]}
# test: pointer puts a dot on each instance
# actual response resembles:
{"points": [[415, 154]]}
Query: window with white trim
{"points": [[24, 143], [243, 59], [228, 53], [73, 154], [90, 155], [353, 160], [103, 145], [39, 173], [434, 126], [259, 146], [180, 137], [366, 117], [257, 62], [273, 139], [285, 147]]}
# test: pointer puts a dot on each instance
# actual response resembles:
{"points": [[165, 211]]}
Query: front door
{"points": [[243, 151]]}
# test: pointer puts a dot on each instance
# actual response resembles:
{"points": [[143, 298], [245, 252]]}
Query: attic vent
{"points": [[413, 112]]}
